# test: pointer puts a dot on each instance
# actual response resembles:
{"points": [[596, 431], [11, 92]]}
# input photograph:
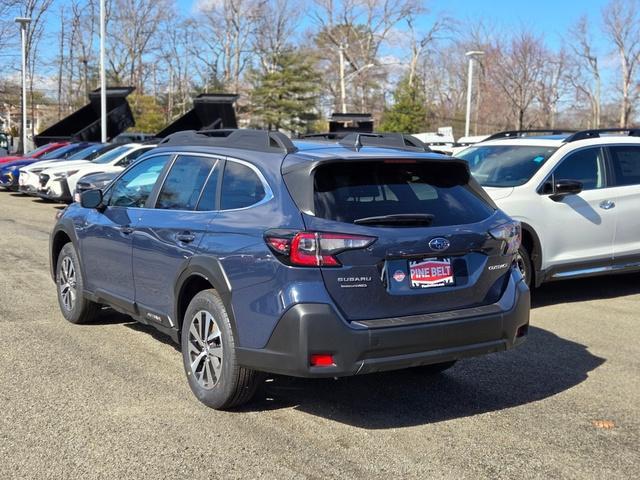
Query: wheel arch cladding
{"points": [[531, 242], [201, 274], [60, 239]]}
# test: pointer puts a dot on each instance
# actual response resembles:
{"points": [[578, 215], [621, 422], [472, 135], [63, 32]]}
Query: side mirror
{"points": [[91, 199], [563, 188]]}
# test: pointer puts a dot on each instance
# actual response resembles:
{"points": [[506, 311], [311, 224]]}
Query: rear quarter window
{"points": [[241, 187], [348, 192]]}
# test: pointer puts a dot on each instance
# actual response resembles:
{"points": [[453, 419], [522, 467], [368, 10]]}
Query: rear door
{"points": [[438, 257], [167, 235], [625, 195]]}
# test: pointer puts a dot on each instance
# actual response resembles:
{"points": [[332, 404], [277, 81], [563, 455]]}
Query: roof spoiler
{"points": [[400, 141], [256, 140]]}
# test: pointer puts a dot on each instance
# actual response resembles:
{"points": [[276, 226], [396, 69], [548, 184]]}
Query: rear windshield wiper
{"points": [[399, 219]]}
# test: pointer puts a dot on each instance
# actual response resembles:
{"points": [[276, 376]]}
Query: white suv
{"points": [[577, 195]]}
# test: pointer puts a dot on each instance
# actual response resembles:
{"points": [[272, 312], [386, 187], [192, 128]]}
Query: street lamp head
{"points": [[23, 21], [474, 53]]}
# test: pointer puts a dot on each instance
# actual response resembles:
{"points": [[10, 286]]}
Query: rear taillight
{"points": [[511, 235], [313, 249]]}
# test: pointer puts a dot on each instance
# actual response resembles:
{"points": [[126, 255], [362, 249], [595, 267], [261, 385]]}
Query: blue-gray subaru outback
{"points": [[305, 258]]}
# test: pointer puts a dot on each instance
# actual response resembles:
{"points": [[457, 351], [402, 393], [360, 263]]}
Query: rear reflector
{"points": [[321, 360]]}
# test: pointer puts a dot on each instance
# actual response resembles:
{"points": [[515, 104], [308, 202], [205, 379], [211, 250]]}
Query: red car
{"points": [[37, 153]]}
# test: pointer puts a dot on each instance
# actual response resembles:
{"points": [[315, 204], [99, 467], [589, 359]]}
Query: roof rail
{"points": [[595, 133], [258, 140], [323, 136], [527, 133], [400, 141]]}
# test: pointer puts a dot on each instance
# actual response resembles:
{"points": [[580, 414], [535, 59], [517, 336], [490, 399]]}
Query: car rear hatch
{"points": [[429, 227]]}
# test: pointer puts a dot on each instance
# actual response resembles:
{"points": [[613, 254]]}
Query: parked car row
{"points": [[52, 173]]}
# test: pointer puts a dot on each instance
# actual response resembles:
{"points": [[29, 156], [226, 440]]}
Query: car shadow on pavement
{"points": [[580, 290], [543, 366]]}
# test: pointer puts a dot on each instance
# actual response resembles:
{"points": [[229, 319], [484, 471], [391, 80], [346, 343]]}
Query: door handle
{"points": [[607, 204], [185, 237], [125, 230]]}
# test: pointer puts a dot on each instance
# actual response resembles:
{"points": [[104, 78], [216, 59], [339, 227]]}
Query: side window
{"points": [[241, 187], [585, 166], [210, 193], [135, 186], [626, 165], [184, 182], [126, 161]]}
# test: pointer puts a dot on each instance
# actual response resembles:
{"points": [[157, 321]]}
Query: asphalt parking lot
{"points": [[110, 400]]}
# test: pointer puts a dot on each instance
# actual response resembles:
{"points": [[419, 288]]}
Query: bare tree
{"points": [[519, 74], [584, 75], [552, 86], [232, 23], [622, 25], [7, 27], [133, 29], [357, 29], [421, 42], [36, 10], [275, 29]]}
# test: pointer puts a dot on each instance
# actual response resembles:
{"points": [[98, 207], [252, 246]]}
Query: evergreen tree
{"points": [[408, 113], [148, 114], [285, 96]]}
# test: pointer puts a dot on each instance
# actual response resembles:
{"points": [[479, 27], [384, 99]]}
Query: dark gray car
{"points": [[301, 258]]}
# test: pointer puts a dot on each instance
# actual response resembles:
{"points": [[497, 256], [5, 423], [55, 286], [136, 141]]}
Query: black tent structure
{"points": [[84, 124], [342, 124], [351, 122], [211, 111]]}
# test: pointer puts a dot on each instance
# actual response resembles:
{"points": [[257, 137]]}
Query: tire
{"points": [[523, 261], [74, 306], [436, 368], [212, 368]]}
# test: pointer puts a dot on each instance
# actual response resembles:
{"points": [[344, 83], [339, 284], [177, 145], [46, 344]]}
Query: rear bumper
{"points": [[306, 329]]}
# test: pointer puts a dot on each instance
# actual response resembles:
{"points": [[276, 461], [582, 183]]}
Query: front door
{"points": [[579, 228], [107, 236]]}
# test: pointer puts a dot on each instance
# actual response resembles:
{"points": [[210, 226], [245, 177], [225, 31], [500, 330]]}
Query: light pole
{"points": [[343, 94], [103, 78], [472, 55], [24, 24]]}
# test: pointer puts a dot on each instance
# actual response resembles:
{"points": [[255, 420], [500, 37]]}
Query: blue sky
{"points": [[548, 18]]}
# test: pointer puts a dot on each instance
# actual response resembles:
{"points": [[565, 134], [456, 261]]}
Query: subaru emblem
{"points": [[439, 244]]}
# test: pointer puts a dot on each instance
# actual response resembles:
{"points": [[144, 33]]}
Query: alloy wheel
{"points": [[205, 349], [67, 283]]}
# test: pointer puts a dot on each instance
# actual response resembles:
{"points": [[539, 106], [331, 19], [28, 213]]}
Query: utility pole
{"points": [[24, 24], [103, 78], [472, 55], [343, 94]]}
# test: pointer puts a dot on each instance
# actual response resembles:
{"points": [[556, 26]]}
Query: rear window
{"points": [[626, 165], [351, 192]]}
